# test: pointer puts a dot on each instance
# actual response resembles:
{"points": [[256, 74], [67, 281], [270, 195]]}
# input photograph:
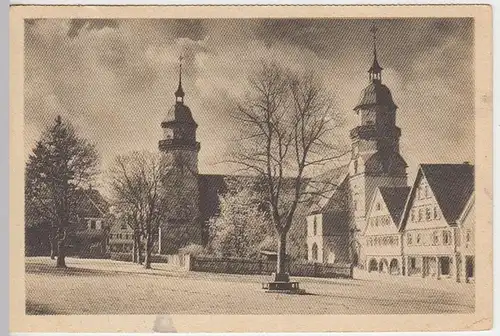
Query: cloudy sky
{"points": [[115, 79]]}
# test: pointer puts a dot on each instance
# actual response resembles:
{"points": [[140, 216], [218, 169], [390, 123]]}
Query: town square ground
{"points": [[113, 287]]}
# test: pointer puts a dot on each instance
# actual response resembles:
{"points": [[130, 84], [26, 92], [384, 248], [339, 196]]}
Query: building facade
{"points": [[431, 235], [466, 241], [383, 243]]}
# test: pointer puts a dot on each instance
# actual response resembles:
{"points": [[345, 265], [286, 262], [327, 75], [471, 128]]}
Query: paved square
{"points": [[113, 287]]}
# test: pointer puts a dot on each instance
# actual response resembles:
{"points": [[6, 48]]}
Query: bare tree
{"points": [[287, 121], [136, 186]]}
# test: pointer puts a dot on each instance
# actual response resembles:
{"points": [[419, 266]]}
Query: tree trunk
{"points": [[61, 262], [53, 246], [134, 249], [147, 258], [139, 251], [281, 262]]}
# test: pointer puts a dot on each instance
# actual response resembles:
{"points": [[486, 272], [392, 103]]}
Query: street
{"points": [[112, 287]]}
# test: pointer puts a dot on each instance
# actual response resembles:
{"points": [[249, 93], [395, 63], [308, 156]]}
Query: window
{"points": [[355, 166], [92, 224], [378, 206], [409, 238], [426, 191], [436, 215], [315, 228], [428, 214], [356, 205], [126, 236], [420, 215], [467, 236], [418, 238], [413, 263], [314, 252], [435, 238], [412, 215], [446, 237]]}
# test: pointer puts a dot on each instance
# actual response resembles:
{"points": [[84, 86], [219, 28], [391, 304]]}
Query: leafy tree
{"points": [[243, 227], [60, 163]]}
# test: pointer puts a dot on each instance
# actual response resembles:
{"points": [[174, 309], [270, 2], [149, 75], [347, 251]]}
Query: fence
{"points": [[245, 266]]}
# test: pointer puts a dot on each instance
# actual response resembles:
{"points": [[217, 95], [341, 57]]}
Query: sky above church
{"points": [[115, 79]]}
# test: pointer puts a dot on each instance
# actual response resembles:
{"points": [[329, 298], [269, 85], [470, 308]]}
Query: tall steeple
{"points": [[375, 71], [179, 94]]}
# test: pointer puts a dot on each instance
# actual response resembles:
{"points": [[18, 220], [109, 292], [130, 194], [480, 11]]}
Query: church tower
{"points": [[180, 148], [376, 161]]}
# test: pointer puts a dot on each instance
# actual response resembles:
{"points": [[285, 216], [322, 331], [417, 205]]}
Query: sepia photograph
{"points": [[251, 166]]}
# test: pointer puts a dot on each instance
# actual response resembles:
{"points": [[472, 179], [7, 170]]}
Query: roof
{"points": [[326, 185], [179, 113], [91, 204], [395, 200], [451, 184], [470, 204], [375, 94]]}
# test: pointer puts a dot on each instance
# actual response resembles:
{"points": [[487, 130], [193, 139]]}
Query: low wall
{"points": [[182, 261], [246, 266]]}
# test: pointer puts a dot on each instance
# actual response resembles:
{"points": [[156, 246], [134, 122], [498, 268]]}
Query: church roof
{"points": [[325, 186], [451, 184], [395, 200], [375, 94], [179, 113]]}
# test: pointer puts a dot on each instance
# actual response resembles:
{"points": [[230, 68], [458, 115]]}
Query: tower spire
{"points": [[375, 71], [179, 94]]}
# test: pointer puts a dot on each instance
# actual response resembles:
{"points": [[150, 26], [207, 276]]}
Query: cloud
{"points": [[114, 79]]}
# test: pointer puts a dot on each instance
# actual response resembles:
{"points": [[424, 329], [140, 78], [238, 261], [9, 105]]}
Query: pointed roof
{"points": [[180, 92], [395, 200], [451, 184]]}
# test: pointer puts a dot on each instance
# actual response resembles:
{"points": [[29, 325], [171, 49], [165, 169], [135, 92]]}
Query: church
{"points": [[372, 188], [335, 233], [370, 219]]}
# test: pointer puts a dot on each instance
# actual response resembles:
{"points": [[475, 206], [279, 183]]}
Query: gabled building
{"points": [[382, 239], [466, 242], [328, 220], [430, 221], [91, 236]]}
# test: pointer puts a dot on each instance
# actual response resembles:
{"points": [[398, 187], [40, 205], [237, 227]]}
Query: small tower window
{"points": [[355, 166]]}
